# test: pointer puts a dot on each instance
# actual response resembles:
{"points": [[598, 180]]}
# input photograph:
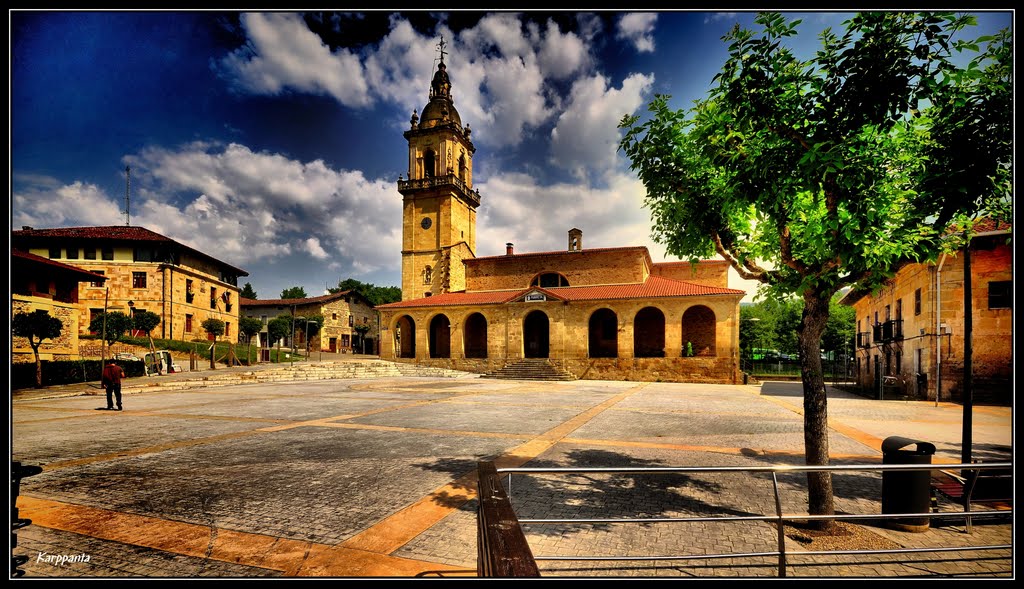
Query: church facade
{"points": [[599, 313]]}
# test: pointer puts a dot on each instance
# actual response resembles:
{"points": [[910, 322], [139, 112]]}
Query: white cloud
{"points": [[282, 53], [586, 137], [41, 201], [561, 56], [638, 28], [315, 249]]}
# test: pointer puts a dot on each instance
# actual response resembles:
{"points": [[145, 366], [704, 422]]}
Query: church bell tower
{"points": [[438, 200]]}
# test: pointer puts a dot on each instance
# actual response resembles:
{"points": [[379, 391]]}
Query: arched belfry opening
{"points": [[462, 168], [429, 163]]}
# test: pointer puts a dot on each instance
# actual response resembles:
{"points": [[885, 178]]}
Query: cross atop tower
{"points": [[440, 47]]}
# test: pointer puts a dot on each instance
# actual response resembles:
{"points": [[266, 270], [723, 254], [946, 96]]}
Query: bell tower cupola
{"points": [[438, 200]]}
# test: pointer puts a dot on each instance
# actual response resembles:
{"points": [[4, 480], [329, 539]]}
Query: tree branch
{"points": [[786, 249], [746, 269]]}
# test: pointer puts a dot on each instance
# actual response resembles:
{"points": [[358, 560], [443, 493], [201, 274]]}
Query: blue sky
{"points": [[273, 140]]}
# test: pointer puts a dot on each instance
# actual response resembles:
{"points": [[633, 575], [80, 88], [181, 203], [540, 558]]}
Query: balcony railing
{"points": [[864, 339], [435, 181], [888, 331]]}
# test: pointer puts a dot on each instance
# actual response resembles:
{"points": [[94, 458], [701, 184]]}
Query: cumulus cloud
{"points": [[638, 28], [283, 54], [561, 56], [586, 135], [238, 206]]}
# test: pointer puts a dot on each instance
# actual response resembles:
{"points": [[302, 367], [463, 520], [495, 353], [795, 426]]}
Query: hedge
{"points": [[23, 374]]}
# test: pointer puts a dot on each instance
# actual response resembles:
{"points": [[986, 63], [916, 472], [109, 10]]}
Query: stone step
{"points": [[530, 369]]}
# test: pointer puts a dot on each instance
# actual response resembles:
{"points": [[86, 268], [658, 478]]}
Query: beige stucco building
{"points": [[910, 334], [350, 323], [604, 313], [143, 270], [38, 283]]}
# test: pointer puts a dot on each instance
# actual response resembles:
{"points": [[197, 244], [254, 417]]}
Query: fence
{"points": [[491, 521]]}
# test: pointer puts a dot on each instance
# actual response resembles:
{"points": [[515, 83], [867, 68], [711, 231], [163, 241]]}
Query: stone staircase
{"points": [[530, 369], [298, 372]]}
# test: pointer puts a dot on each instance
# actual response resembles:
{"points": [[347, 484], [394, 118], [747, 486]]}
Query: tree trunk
{"points": [[39, 367], [819, 484]]}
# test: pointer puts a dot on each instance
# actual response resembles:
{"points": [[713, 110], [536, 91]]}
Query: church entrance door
{"points": [[535, 335]]}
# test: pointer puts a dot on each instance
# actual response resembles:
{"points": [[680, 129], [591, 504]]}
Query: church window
{"points": [[428, 274], [549, 280]]}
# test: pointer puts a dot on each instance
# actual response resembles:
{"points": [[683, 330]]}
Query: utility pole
{"points": [[127, 193]]}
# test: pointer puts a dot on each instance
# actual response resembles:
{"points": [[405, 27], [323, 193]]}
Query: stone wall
{"points": [[617, 266], [64, 347]]}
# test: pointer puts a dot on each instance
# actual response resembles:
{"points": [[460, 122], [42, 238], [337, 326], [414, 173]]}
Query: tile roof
{"points": [[654, 287], [297, 302], [111, 233], [84, 274]]}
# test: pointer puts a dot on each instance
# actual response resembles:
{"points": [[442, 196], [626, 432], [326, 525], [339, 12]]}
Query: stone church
{"points": [[601, 313]]}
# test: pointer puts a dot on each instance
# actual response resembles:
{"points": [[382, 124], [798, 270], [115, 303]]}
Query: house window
{"points": [[227, 301], [899, 362], [263, 318], [887, 315], [189, 292], [54, 253], [334, 316], [188, 323], [90, 253], [899, 308], [549, 280], [227, 328], [351, 320], [213, 298], [97, 283], [72, 253], [917, 302], [138, 280], [107, 253], [1000, 294]]}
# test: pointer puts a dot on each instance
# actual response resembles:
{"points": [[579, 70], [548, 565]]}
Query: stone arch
{"points": [[536, 335], [604, 334], [649, 333], [440, 337], [549, 280], [475, 336], [405, 337], [699, 330]]}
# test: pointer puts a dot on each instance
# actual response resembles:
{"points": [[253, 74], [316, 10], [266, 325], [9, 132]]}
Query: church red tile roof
{"points": [[654, 287]]}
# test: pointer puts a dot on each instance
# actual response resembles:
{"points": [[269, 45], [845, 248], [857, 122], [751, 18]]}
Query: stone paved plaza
{"points": [[376, 478]]}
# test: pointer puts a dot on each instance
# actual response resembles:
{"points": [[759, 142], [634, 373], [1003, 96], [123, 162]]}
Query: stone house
{"points": [[38, 283], [350, 322], [910, 334], [606, 313], [143, 270]]}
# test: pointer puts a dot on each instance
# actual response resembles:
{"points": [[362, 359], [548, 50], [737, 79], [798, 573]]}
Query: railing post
{"points": [[781, 527], [502, 549]]}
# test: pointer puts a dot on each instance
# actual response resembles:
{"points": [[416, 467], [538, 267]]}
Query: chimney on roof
{"points": [[508, 249], [575, 240]]}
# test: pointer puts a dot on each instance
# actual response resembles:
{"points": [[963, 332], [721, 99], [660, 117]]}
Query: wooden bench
{"points": [[992, 487]]}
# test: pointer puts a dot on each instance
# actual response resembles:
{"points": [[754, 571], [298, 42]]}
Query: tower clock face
{"points": [[425, 223]]}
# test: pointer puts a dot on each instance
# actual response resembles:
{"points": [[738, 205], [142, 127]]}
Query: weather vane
{"points": [[440, 48]]}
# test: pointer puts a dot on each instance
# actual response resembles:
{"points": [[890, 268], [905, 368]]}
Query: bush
{"points": [[23, 375]]}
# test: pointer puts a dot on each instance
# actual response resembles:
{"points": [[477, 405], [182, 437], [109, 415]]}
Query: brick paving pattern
{"points": [[370, 473]]}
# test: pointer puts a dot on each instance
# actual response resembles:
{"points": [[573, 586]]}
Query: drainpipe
{"points": [[938, 336]]}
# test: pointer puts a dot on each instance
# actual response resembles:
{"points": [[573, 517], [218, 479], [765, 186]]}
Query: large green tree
{"points": [[145, 321], [248, 292], [810, 176], [376, 295], [249, 327], [277, 329], [36, 327], [293, 292]]}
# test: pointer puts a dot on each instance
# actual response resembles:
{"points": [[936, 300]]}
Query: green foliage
{"points": [[214, 327], [293, 292], [249, 326], [117, 324], [36, 327], [376, 295], [248, 292], [836, 171], [278, 327], [23, 375], [145, 321]]}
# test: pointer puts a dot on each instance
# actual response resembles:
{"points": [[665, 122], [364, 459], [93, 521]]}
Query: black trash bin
{"points": [[907, 491]]}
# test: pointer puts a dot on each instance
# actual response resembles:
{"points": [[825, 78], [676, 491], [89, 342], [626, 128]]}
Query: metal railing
{"points": [[779, 518]]}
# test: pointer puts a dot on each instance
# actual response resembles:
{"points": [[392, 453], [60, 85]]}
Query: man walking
{"points": [[111, 380]]}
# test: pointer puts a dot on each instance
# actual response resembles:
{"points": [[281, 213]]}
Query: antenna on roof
{"points": [[127, 193]]}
